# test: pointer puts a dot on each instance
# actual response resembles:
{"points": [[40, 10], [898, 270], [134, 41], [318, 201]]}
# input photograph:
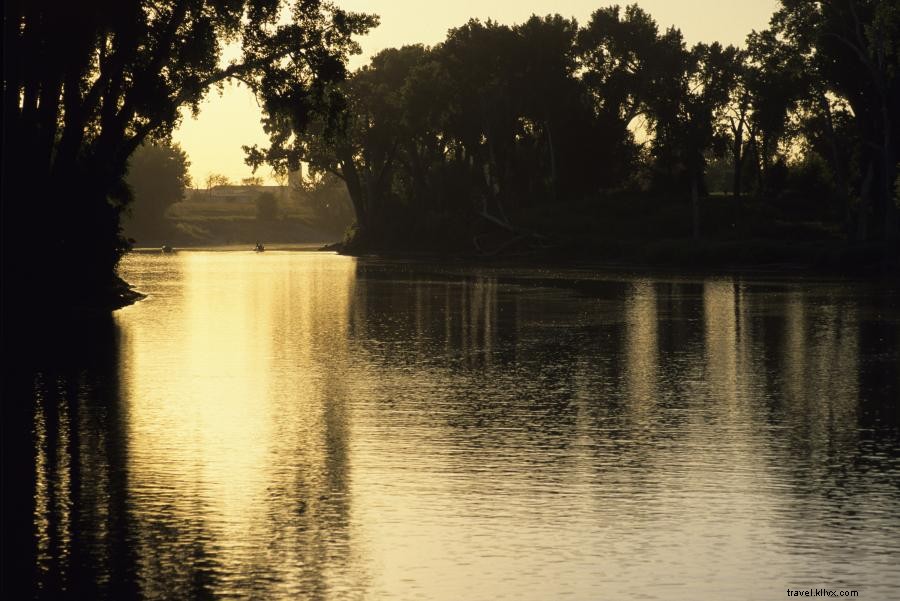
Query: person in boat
{"points": [[259, 247]]}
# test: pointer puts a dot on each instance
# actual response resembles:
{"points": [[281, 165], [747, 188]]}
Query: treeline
{"points": [[497, 120], [437, 144]]}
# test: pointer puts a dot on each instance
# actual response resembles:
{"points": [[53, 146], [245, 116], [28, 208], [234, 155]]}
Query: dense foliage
{"points": [[433, 143], [503, 127], [157, 178], [86, 83]]}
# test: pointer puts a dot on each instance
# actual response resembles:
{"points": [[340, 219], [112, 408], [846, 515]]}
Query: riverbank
{"points": [[639, 232], [201, 221], [122, 294], [670, 256]]}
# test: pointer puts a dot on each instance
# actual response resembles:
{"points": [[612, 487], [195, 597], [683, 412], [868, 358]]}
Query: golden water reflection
{"points": [[230, 465], [293, 425]]}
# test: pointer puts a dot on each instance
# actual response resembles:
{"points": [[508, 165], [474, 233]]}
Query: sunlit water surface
{"points": [[309, 426]]}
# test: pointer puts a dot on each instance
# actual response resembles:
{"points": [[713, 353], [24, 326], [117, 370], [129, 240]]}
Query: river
{"points": [[299, 425]]}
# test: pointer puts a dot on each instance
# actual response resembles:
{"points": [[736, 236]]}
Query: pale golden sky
{"points": [[213, 141]]}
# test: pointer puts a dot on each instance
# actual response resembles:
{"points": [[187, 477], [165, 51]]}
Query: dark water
{"points": [[309, 426]]}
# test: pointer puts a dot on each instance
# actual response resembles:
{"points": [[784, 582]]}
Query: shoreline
{"points": [[124, 294], [850, 262], [121, 294], [872, 270]]}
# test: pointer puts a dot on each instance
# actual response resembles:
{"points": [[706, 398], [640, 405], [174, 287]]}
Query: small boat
{"points": [[166, 249], [259, 247]]}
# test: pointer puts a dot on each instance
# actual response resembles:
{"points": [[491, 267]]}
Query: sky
{"points": [[226, 122]]}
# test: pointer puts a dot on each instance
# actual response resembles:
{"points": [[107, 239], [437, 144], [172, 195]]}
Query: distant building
{"points": [[235, 194], [241, 193]]}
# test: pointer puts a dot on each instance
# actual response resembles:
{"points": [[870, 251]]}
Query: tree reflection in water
{"points": [[315, 426]]}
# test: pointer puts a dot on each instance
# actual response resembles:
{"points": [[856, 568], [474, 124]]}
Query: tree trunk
{"points": [[887, 183], [695, 205], [754, 154], [355, 190], [738, 164], [862, 223], [552, 164], [837, 167]]}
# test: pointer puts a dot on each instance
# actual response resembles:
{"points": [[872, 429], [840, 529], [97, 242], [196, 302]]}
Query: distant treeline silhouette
{"points": [[507, 125]]}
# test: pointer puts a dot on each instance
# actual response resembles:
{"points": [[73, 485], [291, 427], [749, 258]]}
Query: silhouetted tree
{"points": [[157, 177], [216, 179], [735, 126], [714, 71], [776, 81], [498, 121], [491, 120], [621, 56], [251, 181], [85, 84], [853, 46], [330, 203]]}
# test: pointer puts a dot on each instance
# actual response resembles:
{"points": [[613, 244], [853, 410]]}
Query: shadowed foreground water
{"points": [[310, 426]]}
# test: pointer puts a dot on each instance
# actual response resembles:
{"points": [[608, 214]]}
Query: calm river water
{"points": [[294, 425]]}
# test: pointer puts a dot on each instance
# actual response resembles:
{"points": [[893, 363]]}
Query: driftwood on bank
{"points": [[527, 241]]}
